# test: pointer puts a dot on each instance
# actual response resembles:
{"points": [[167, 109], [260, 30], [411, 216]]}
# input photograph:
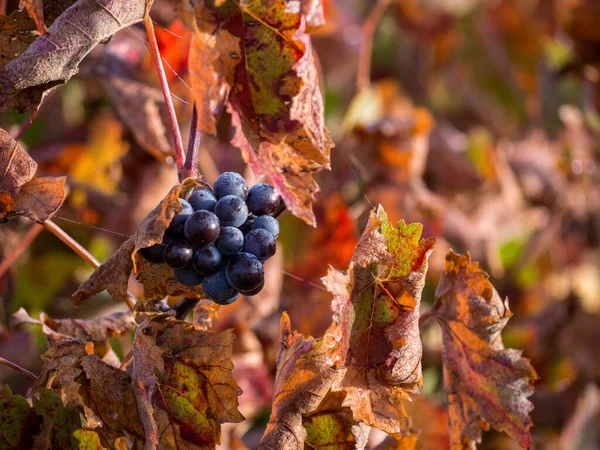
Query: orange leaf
{"points": [[35, 10], [484, 382]]}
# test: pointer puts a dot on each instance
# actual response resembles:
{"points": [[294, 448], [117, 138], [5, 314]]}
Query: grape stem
{"points": [[12, 365], [57, 231], [179, 154], [20, 248], [363, 73], [190, 165]]}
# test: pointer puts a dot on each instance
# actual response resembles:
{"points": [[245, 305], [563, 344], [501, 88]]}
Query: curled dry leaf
{"points": [[304, 376], [484, 382], [263, 67], [376, 312], [183, 383], [52, 59], [21, 194], [17, 32], [35, 10], [158, 279], [97, 331]]}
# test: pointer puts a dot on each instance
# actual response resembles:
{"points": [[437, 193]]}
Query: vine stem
{"points": [[426, 316], [363, 72], [20, 248], [179, 154], [190, 165], [61, 234], [12, 365]]}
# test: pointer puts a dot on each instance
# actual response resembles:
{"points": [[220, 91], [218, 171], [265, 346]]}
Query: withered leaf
{"points": [[183, 383], [158, 279], [376, 311], [52, 59], [97, 331], [484, 382], [304, 376], [35, 10], [258, 58], [20, 193], [17, 32]]}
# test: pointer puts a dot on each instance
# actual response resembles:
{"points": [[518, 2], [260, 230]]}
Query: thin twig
{"points": [[426, 316], [363, 73], [127, 360], [190, 166], [57, 231], [20, 248], [12, 365], [179, 155]]}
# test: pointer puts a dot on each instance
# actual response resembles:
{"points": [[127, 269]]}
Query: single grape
{"points": [[207, 260], [247, 225], [188, 276], [203, 199], [255, 290], [202, 228], [245, 272], [230, 241], [260, 243], [154, 254], [218, 289], [231, 211], [269, 223], [178, 254], [262, 199], [230, 183], [177, 223]]}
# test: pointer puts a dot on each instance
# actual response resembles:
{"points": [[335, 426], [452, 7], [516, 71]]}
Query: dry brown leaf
{"points": [[484, 382], [304, 376], [21, 194], [376, 315], [158, 279], [52, 59], [35, 10], [182, 378], [257, 58], [17, 32]]}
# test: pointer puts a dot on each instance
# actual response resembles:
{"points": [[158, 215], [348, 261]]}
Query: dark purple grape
{"points": [[230, 241], [202, 228], [207, 260], [245, 272], [230, 183], [178, 254], [247, 225], [188, 276], [269, 223], [154, 254], [218, 289], [177, 223], [255, 290], [262, 199], [203, 199], [231, 211], [260, 243]]}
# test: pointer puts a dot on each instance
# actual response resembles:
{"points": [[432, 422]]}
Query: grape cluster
{"points": [[221, 239]]}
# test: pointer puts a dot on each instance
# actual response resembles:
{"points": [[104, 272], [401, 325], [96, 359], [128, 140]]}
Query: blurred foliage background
{"points": [[480, 120]]}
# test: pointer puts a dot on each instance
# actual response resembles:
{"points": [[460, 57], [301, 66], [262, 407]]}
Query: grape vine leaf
{"points": [[158, 279], [263, 67], [304, 377], [35, 10], [183, 383], [17, 32], [21, 194], [52, 59], [18, 423], [485, 383], [376, 315]]}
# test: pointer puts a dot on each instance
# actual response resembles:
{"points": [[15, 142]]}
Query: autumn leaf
{"points": [[158, 279], [21, 194], [263, 67], [182, 378], [35, 10], [376, 311], [304, 376], [17, 32], [52, 59], [485, 383], [18, 423]]}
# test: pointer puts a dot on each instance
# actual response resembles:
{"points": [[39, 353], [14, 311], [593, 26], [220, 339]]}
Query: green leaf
{"points": [[18, 423]]}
